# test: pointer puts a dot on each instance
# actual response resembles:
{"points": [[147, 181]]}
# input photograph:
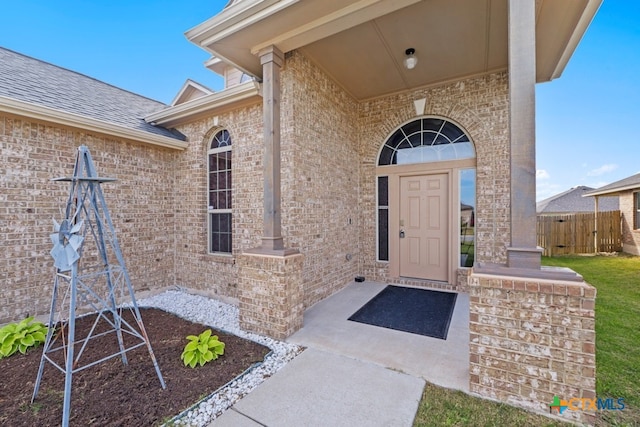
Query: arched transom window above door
{"points": [[426, 140]]}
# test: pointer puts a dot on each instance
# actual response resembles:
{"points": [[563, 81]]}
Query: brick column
{"points": [[531, 340], [271, 294]]}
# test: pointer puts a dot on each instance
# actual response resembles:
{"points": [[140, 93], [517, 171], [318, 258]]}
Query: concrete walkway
{"points": [[352, 374]]}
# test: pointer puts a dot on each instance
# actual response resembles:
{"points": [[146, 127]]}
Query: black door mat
{"points": [[418, 311]]}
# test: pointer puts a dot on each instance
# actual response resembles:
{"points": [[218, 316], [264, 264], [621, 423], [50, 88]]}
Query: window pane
{"points": [[220, 232], [467, 217], [383, 191], [222, 200], [432, 124], [413, 127], [451, 131], [385, 156], [636, 203], [383, 234], [222, 161], [213, 181], [213, 200], [225, 243]]}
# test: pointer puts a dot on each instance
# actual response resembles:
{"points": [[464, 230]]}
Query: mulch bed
{"points": [[113, 394]]}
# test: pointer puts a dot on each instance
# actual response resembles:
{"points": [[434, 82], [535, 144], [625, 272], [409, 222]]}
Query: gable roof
{"points": [[39, 89], [190, 90], [572, 200], [630, 183]]}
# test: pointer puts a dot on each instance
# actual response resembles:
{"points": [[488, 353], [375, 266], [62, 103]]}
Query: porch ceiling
{"points": [[361, 43]]}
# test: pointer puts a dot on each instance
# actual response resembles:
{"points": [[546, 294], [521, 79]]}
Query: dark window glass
{"points": [[451, 131], [383, 191], [411, 128], [383, 234], [220, 226], [383, 218], [432, 124], [385, 156]]}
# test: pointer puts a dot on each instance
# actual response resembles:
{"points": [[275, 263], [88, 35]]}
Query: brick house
{"points": [[628, 191], [314, 165]]}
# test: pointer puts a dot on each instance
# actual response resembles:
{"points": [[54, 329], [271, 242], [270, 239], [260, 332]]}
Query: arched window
{"points": [[220, 197], [426, 140]]}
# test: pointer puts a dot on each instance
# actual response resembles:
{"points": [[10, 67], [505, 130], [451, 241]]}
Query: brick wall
{"points": [[480, 106], [531, 340], [141, 204], [630, 237], [199, 270], [320, 194]]}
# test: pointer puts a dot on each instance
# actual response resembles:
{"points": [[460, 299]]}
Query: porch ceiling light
{"points": [[411, 60]]}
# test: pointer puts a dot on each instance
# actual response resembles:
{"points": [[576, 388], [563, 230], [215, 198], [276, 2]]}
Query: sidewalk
{"points": [[352, 374], [319, 388]]}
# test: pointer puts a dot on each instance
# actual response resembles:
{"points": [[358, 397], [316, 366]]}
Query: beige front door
{"points": [[424, 226]]}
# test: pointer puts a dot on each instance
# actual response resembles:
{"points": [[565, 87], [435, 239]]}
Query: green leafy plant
{"points": [[21, 336], [202, 349]]}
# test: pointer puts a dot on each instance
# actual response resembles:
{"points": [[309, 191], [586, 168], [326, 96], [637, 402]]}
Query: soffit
{"points": [[361, 44]]}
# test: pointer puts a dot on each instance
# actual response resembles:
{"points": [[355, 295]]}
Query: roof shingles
{"points": [[30, 80]]}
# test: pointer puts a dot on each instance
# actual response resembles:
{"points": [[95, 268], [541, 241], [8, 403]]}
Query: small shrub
{"points": [[202, 349], [21, 336]]}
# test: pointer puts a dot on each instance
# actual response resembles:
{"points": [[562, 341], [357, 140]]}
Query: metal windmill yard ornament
{"points": [[90, 274]]}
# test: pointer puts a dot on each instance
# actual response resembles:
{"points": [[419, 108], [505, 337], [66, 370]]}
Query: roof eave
{"points": [[38, 112], [578, 32], [234, 18], [208, 104], [612, 191]]}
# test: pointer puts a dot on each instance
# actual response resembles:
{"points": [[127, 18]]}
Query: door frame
{"points": [[451, 169]]}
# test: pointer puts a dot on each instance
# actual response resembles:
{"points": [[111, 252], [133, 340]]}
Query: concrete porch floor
{"points": [[441, 362]]}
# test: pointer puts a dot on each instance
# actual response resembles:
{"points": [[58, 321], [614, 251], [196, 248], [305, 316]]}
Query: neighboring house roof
{"points": [[28, 84], [629, 183], [572, 200]]}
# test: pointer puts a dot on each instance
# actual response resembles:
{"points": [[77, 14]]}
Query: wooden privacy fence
{"points": [[575, 233]]}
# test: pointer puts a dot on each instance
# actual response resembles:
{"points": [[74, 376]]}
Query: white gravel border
{"points": [[223, 317]]}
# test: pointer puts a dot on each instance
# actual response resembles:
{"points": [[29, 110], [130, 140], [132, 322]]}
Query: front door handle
{"points": [[402, 234]]}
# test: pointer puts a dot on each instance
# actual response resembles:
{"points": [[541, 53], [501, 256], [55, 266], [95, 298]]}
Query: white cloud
{"points": [[609, 167], [542, 174]]}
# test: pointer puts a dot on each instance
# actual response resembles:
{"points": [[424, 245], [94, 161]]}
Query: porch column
{"points": [[524, 251], [272, 60], [270, 289]]}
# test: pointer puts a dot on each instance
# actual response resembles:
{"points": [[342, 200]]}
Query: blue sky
{"points": [[586, 120]]}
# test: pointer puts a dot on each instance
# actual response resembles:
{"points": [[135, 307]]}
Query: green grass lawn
{"points": [[617, 279]]}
